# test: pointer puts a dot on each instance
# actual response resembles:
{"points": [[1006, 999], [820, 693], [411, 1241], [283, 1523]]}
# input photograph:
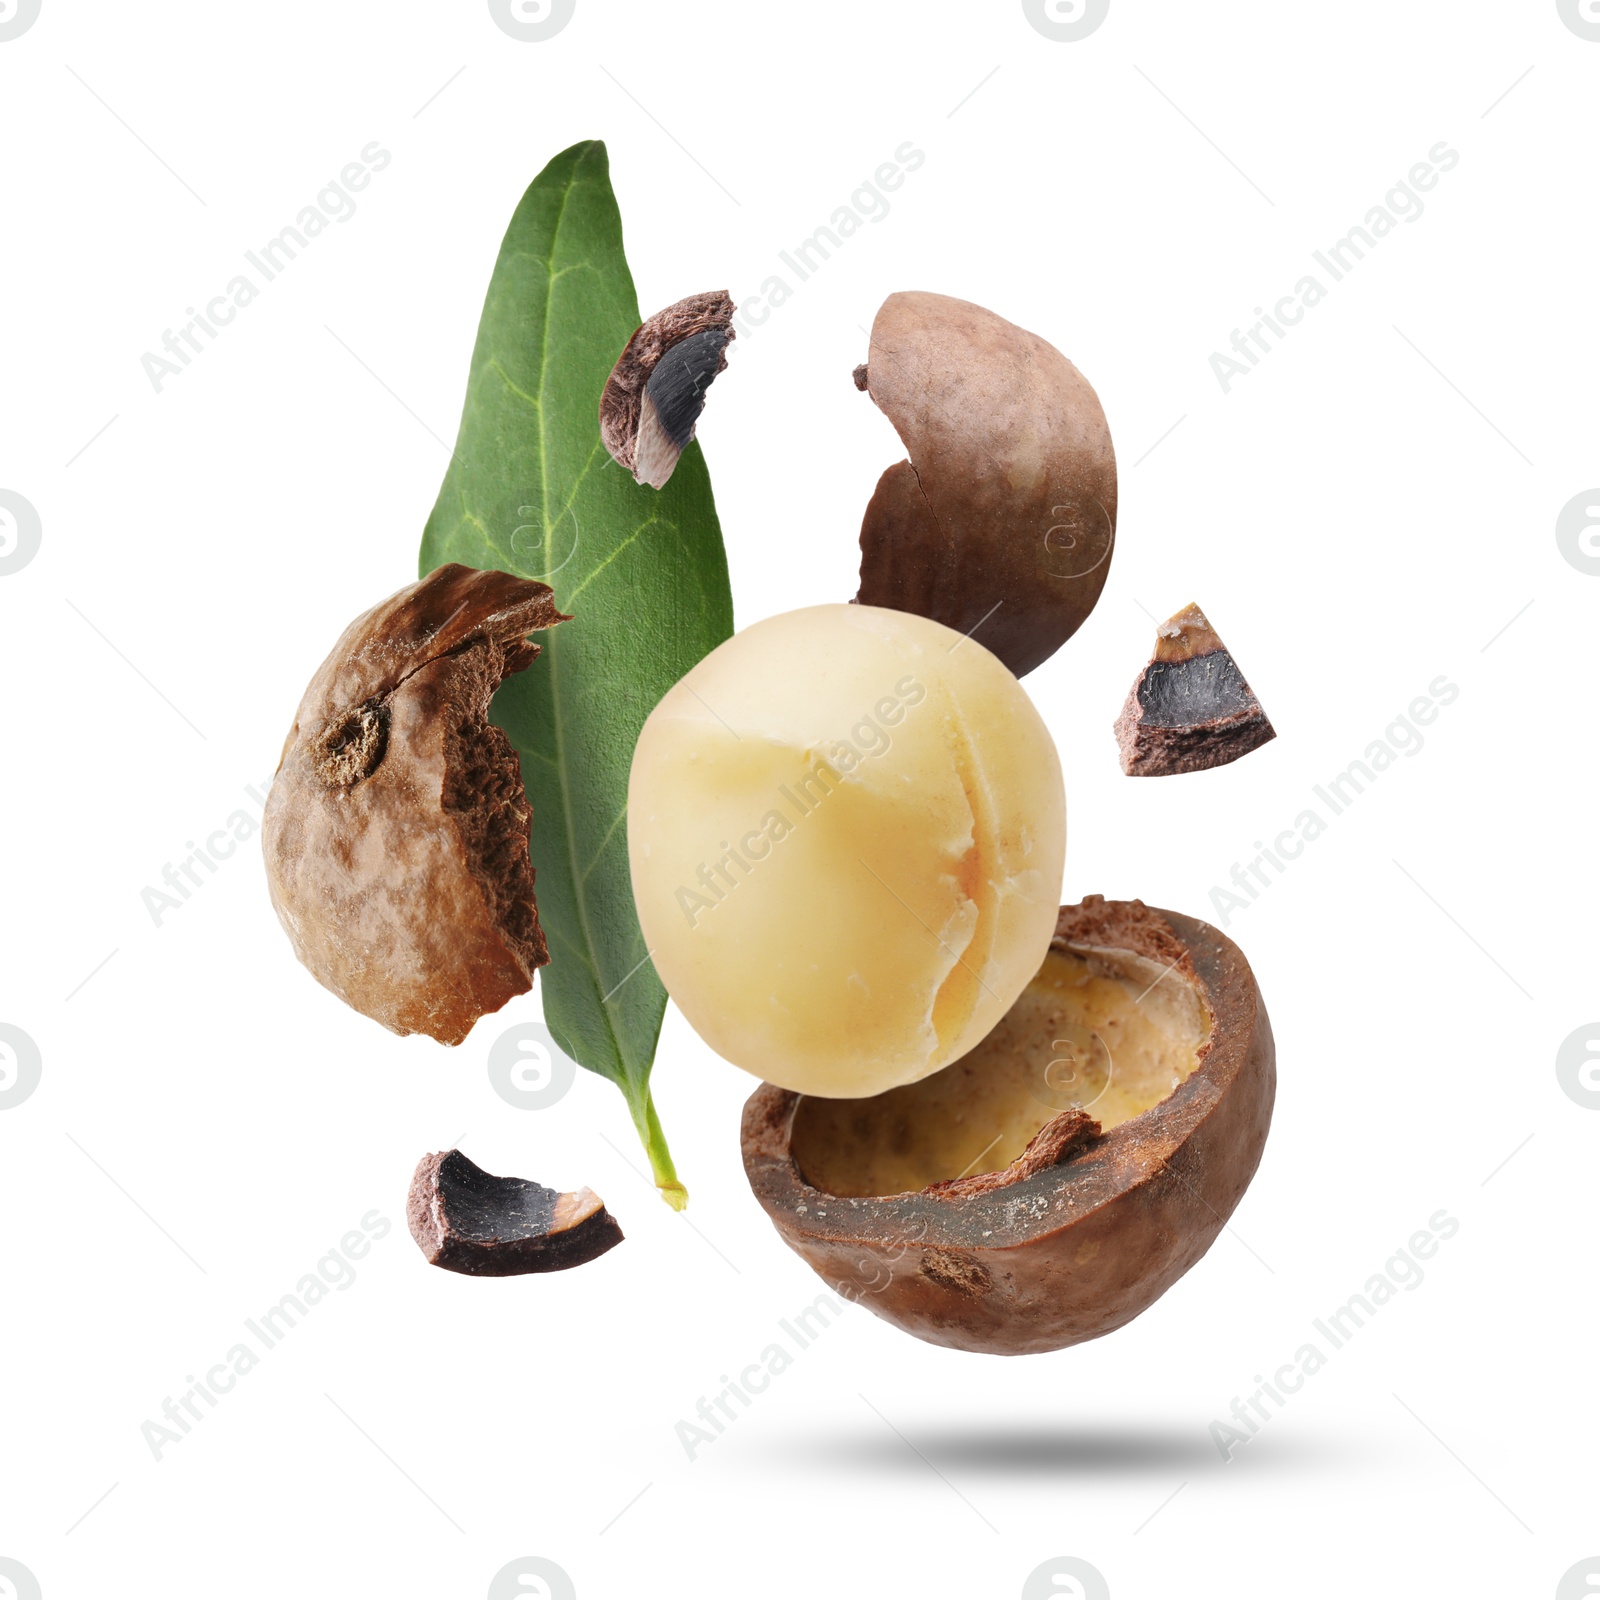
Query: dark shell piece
{"points": [[677, 388], [1191, 707], [1178, 694], [657, 390], [467, 1220]]}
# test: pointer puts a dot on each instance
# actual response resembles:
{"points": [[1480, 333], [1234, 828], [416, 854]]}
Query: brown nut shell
{"points": [[470, 1221], [657, 390], [396, 832], [1190, 708], [1082, 1231], [1003, 519]]}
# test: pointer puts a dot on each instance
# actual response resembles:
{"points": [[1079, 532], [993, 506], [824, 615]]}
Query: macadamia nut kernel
{"points": [[846, 827]]}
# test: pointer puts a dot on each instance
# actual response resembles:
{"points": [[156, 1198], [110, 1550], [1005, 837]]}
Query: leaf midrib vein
{"points": [[555, 652]]}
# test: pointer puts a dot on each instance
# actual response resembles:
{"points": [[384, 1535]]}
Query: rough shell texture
{"points": [[623, 397], [467, 1220], [1004, 518], [1084, 1231], [1191, 708], [396, 832]]}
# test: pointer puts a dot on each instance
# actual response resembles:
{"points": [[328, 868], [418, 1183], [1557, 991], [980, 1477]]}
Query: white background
{"points": [[1372, 507]]}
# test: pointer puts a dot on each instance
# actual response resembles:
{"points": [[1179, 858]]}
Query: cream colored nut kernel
{"points": [[846, 827]]}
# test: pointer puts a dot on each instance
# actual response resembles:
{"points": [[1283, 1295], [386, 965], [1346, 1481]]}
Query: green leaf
{"points": [[531, 490]]}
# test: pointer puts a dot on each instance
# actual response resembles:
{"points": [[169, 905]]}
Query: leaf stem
{"points": [[648, 1125]]}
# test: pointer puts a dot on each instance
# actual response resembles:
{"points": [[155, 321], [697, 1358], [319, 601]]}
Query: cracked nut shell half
{"points": [[396, 832], [1121, 1107], [1002, 521]]}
